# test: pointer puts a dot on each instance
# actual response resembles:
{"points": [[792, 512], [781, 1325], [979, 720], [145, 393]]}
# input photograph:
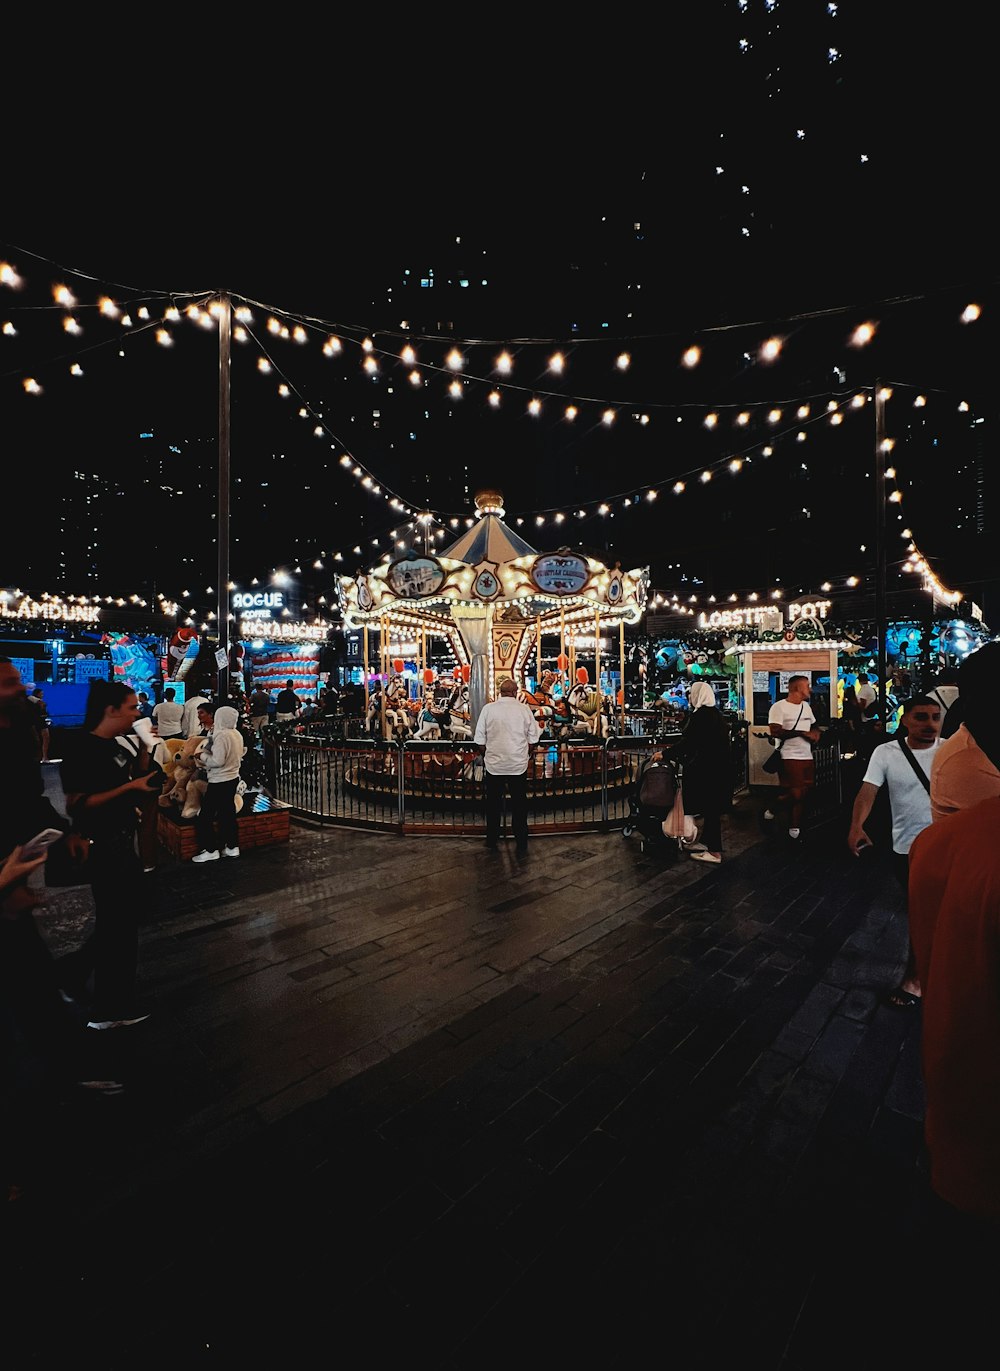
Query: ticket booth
{"points": [[763, 671]]}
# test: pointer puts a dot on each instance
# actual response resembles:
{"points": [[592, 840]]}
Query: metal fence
{"points": [[435, 787]]}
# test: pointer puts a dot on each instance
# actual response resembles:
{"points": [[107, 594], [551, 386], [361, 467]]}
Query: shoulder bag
{"points": [[772, 762], [922, 775]]}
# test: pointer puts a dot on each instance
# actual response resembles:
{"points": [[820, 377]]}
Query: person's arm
{"points": [[78, 800], [857, 838]]}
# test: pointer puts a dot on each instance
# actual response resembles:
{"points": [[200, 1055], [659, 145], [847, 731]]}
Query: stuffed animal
{"points": [[187, 789], [165, 756]]}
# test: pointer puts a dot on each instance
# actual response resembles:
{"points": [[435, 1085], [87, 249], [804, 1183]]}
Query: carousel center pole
{"points": [[225, 344]]}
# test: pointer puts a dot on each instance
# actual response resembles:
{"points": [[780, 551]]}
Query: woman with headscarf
{"points": [[705, 753]]}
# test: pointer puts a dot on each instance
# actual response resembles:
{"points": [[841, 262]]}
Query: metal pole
{"points": [[880, 623], [222, 532]]}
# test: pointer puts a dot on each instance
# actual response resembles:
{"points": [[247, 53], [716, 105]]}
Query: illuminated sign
{"points": [[808, 609], [259, 604], [251, 627], [56, 610], [751, 616]]}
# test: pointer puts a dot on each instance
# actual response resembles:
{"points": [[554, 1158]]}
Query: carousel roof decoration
{"points": [[491, 566]]}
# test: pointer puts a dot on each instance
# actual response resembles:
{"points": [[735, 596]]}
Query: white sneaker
{"points": [[230, 852], [768, 815], [118, 1023], [205, 857], [102, 1087], [793, 833], [706, 857]]}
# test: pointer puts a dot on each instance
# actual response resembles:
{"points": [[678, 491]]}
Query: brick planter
{"points": [[261, 822]]}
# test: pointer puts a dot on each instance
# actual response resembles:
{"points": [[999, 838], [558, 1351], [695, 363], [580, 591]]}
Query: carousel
{"points": [[495, 605]]}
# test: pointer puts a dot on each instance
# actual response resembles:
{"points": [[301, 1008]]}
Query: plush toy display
{"points": [[180, 763]]}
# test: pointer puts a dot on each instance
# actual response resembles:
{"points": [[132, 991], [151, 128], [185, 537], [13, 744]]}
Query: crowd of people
{"points": [[940, 774]]}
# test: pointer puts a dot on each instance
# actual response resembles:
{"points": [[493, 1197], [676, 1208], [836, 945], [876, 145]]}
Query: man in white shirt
{"points": [[909, 802], [507, 729], [867, 695], [167, 715], [793, 721], [190, 723]]}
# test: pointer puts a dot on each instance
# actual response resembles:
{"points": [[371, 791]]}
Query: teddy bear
{"points": [[186, 789]]}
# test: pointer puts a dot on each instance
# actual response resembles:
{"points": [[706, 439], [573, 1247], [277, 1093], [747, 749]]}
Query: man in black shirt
{"points": [[287, 706]]}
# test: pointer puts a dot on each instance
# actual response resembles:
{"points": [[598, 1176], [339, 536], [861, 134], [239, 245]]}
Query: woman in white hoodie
{"points": [[220, 758]]}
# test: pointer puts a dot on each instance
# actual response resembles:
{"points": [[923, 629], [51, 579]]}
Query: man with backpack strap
{"points": [[904, 766]]}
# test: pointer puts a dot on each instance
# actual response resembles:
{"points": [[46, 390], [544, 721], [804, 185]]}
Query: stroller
{"points": [[650, 802]]}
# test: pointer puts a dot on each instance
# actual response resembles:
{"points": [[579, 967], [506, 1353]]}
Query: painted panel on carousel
{"points": [[560, 573], [365, 597], [616, 588], [486, 586], [414, 578]]}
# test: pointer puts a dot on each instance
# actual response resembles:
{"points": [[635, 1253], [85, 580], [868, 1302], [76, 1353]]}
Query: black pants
{"points": [[711, 833], [218, 804], [518, 788], [111, 953]]}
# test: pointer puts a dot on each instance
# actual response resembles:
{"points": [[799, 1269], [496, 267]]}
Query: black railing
{"points": [[438, 787]]}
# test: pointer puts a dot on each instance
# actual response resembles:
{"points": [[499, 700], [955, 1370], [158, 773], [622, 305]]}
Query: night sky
{"points": [[618, 195]]}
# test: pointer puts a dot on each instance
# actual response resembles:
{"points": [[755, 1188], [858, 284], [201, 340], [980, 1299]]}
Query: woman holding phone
{"points": [[103, 795]]}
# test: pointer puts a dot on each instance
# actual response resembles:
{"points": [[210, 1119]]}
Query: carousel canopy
{"points": [[489, 540]]}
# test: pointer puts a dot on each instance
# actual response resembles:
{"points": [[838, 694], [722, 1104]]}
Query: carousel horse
{"points": [[398, 719], [540, 700], [589, 712]]}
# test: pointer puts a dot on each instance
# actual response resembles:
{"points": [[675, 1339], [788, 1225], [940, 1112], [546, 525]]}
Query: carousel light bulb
{"points": [[919, 401], [890, 473], [534, 406], [172, 314], [608, 417], [887, 444], [651, 494], [414, 378], [705, 477], [332, 345], [771, 350], [678, 487], [602, 509], [345, 461], [71, 325], [837, 418], [691, 356], [852, 581], [970, 313], [801, 436], [560, 518], [367, 344], [31, 386], [455, 361], [736, 464], [906, 533], [743, 418], [711, 420], [239, 334], [557, 363], [886, 393], [862, 335], [8, 329], [371, 366], [857, 401], [108, 307], [299, 333], [76, 369], [539, 520], [243, 314], [571, 412], [263, 366], [318, 431], [774, 416], [273, 326], [896, 497]]}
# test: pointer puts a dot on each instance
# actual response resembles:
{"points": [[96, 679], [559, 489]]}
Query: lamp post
{"points": [[222, 533], [880, 624]]}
